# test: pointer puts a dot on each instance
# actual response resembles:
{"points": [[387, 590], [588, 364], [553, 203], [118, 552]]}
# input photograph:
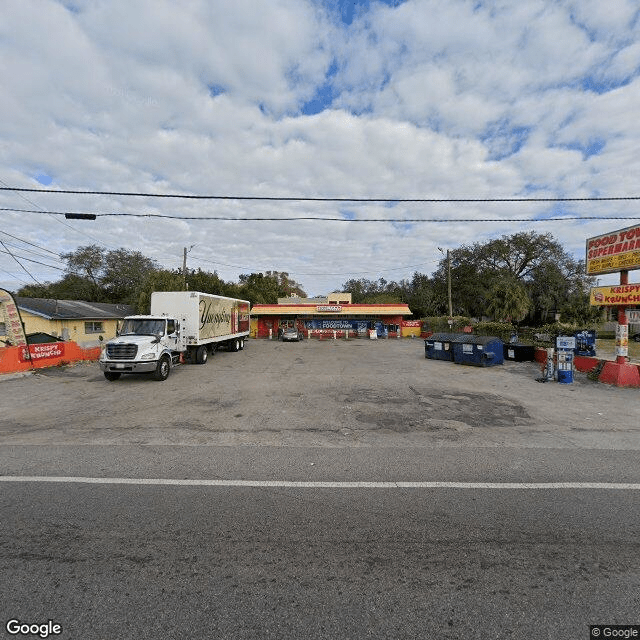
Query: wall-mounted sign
{"points": [[633, 316], [615, 295], [615, 251], [329, 307], [42, 351]]}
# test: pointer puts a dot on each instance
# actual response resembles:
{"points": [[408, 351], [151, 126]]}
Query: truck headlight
{"points": [[148, 356]]}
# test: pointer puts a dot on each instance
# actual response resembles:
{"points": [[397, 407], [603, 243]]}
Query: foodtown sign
{"points": [[329, 307]]}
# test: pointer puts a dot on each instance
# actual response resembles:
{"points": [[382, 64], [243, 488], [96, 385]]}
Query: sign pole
{"points": [[617, 251], [622, 330]]}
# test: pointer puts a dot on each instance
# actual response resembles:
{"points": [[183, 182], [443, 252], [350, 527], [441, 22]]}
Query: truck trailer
{"points": [[183, 326]]}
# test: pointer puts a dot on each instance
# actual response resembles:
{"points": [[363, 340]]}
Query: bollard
{"points": [[334, 334], [270, 334], [549, 368]]}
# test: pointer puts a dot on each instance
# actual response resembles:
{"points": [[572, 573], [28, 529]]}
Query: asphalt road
{"points": [[108, 551]]}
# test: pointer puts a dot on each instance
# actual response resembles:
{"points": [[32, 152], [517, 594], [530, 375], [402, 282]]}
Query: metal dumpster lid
{"points": [[466, 338]]}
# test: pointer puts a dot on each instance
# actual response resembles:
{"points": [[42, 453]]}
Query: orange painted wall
{"points": [[13, 359]]}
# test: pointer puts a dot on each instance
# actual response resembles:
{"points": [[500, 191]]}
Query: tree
{"points": [[537, 261], [88, 262], [287, 286], [115, 275], [122, 273], [508, 301], [158, 280]]}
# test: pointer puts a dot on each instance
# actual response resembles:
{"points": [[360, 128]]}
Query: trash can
{"points": [[479, 351], [518, 352], [438, 346]]}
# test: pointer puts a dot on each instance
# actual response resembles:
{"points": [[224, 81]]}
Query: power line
{"points": [[32, 203], [325, 218], [137, 194], [356, 273], [30, 243], [18, 247], [29, 260], [20, 263], [14, 276]]}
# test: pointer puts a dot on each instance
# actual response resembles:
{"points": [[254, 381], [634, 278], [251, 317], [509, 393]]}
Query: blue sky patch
{"points": [[503, 140], [602, 85], [592, 147], [43, 179], [324, 94], [215, 90]]}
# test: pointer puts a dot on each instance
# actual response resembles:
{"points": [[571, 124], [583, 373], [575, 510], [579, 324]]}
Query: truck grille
{"points": [[122, 351]]}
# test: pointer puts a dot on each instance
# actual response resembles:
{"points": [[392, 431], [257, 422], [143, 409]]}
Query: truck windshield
{"points": [[138, 327]]}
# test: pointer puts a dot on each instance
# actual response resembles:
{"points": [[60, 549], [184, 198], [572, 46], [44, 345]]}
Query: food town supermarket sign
{"points": [[615, 251], [616, 295]]}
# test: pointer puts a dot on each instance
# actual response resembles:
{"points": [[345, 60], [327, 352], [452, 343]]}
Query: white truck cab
{"points": [[144, 344]]}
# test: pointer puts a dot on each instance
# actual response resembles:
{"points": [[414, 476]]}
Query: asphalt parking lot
{"points": [[330, 490], [354, 393]]}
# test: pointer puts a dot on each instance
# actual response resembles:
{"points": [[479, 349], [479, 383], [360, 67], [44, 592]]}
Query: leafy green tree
{"points": [[123, 272], [287, 286], [538, 261], [206, 282], [70, 287], [158, 280], [88, 263], [508, 301]]}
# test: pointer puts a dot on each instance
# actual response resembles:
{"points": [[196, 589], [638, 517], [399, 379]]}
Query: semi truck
{"points": [[183, 326]]}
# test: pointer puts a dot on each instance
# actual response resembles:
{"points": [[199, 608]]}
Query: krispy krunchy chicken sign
{"points": [[621, 295]]}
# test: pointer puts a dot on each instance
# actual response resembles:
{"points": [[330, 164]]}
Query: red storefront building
{"points": [[324, 316]]}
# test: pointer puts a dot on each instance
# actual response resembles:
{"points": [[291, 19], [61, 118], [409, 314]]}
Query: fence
{"points": [[39, 356]]}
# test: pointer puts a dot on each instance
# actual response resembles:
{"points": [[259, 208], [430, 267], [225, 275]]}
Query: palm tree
{"points": [[508, 301]]}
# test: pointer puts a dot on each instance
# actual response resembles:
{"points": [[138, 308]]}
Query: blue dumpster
{"points": [[438, 346], [480, 351]]}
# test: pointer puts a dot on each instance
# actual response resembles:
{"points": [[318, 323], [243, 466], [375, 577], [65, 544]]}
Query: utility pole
{"points": [[184, 270], [449, 282], [448, 279], [184, 266]]}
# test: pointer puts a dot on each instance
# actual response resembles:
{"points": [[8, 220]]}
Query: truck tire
{"points": [[241, 344], [162, 369], [111, 375], [201, 354], [235, 345]]}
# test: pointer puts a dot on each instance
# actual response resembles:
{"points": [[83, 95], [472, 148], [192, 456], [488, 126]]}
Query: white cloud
{"points": [[430, 99]]}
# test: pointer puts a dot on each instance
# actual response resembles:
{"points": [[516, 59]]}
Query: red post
{"points": [[622, 332]]}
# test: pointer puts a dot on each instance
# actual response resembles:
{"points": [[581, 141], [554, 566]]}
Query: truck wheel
{"points": [[241, 344], [162, 370], [111, 375], [235, 345], [201, 354]]}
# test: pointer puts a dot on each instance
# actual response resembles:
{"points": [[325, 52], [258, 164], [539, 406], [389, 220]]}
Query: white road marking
{"points": [[297, 484]]}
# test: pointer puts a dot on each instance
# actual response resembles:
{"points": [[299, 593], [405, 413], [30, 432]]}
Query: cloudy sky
{"points": [[415, 99]]}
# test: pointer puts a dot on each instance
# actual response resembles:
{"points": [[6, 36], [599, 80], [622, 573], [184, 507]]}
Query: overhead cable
{"points": [[137, 194], [321, 218]]}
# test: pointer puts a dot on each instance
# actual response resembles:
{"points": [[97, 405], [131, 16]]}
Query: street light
{"points": [[448, 279]]}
